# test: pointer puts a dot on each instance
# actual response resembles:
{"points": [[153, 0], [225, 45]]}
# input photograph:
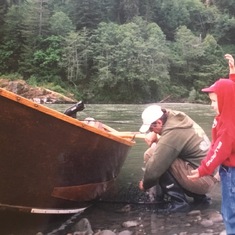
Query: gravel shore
{"points": [[142, 221], [113, 218]]}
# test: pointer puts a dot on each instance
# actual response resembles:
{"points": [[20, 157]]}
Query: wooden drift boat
{"points": [[50, 160]]}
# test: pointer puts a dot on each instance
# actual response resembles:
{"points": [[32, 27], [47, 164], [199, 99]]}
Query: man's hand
{"points": [[230, 63], [150, 138], [141, 186], [217, 176], [194, 175]]}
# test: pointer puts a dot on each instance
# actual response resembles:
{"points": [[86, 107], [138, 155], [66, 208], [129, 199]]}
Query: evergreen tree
{"points": [[11, 47], [86, 13], [35, 26], [131, 60], [76, 57], [60, 24]]}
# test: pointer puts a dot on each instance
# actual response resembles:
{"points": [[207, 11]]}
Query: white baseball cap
{"points": [[150, 115]]}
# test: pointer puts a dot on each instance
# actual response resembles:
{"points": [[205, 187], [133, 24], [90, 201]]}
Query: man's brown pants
{"points": [[180, 169]]}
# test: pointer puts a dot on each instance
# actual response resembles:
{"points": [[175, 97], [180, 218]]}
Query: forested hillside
{"points": [[118, 51]]}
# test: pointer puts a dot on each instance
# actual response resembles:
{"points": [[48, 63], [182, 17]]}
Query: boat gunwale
{"points": [[56, 114]]}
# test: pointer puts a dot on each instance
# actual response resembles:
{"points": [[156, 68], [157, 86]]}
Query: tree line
{"points": [[118, 51]]}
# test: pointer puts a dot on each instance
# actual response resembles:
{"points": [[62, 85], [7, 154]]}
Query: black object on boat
{"points": [[72, 111]]}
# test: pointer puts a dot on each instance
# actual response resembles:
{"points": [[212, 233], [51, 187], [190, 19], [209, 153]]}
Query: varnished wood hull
{"points": [[48, 158]]}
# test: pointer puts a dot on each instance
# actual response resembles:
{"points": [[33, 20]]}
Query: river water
{"points": [[108, 214]]}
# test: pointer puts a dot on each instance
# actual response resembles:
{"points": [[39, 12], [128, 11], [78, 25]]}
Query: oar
{"points": [[129, 134], [123, 134], [108, 128]]}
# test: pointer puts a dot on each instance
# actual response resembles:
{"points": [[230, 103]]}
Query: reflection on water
{"points": [[123, 118]]}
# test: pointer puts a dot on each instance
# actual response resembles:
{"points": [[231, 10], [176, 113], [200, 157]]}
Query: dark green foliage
{"points": [[89, 13], [118, 51], [131, 57], [226, 6]]}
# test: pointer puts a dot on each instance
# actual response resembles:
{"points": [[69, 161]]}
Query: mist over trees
{"points": [[118, 51]]}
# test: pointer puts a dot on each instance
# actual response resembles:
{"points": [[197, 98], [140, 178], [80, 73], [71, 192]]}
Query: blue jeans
{"points": [[227, 177]]}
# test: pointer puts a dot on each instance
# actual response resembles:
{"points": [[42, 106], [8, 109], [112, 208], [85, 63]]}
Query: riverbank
{"points": [[140, 222], [115, 218], [37, 94], [121, 214], [118, 218]]}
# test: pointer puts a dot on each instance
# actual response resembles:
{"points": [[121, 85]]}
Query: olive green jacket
{"points": [[181, 138]]}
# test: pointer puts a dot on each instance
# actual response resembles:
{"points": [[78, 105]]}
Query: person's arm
{"points": [[231, 66], [151, 138], [163, 157], [215, 157]]}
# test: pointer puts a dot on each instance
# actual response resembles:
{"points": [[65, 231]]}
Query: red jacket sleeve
{"points": [[218, 154], [232, 76]]}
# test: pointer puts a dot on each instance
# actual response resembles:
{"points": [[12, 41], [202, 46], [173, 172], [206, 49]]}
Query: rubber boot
{"points": [[199, 198], [178, 201]]}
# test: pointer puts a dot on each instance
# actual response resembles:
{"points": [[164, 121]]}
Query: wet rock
{"points": [[125, 232], [79, 233], [187, 225], [198, 218], [194, 213], [98, 232], [106, 232], [209, 230], [126, 208], [216, 217], [206, 223], [83, 227], [223, 233], [206, 233], [129, 224]]}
